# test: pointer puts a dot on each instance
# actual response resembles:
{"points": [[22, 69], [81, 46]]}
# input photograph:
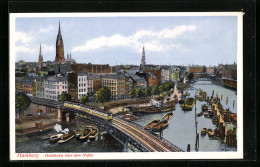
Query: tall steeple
{"points": [[40, 60], [59, 48], [143, 58]]}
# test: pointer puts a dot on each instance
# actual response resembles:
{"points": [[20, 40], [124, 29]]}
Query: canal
{"points": [[181, 129]]}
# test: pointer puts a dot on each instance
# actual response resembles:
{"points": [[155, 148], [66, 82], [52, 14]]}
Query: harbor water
{"points": [[181, 130]]}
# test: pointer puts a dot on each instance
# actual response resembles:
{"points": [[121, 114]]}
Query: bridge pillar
{"points": [[59, 113]]}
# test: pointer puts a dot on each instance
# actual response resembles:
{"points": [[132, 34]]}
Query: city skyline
{"points": [[167, 40]]}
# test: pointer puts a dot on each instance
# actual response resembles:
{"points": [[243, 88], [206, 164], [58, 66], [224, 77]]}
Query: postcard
{"points": [[98, 86]]}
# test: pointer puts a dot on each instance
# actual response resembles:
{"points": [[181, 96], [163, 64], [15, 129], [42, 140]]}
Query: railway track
{"points": [[163, 142], [149, 139]]}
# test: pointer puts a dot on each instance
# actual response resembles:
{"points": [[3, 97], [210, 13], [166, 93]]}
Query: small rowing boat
{"points": [[66, 137], [93, 133], [151, 124]]}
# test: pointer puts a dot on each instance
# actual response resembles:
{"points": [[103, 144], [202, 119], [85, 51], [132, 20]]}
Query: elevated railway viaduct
{"points": [[125, 132]]}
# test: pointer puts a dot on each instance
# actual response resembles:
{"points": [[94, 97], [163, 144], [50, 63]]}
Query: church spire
{"points": [[143, 58], [59, 33], [59, 48], [40, 53]]}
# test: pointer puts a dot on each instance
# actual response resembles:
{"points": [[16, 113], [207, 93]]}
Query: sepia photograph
{"points": [[126, 85]]}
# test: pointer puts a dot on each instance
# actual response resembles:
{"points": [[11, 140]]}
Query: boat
{"points": [[55, 138], [167, 116], [66, 137], [206, 114], [217, 132], [214, 120], [78, 133], [210, 133], [160, 126], [181, 101], [151, 124], [93, 133], [204, 131], [129, 117], [188, 104], [200, 114], [204, 107], [85, 134]]}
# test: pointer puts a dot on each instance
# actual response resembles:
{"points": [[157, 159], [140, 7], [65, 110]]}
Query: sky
{"points": [[168, 40]]}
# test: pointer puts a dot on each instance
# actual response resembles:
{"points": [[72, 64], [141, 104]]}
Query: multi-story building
{"points": [[93, 83], [39, 82], [27, 85], [121, 88], [211, 70], [96, 83], [196, 69], [82, 84], [110, 81], [100, 69], [229, 75], [137, 81], [165, 75], [73, 85], [54, 85]]}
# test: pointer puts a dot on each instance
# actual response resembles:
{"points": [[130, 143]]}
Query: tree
{"points": [[64, 96], [148, 91], [141, 92], [155, 90], [190, 76], [132, 93], [22, 102], [160, 88], [84, 99], [102, 95]]}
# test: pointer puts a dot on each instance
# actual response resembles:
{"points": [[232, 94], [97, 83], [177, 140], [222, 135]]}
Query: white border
{"points": [[107, 156]]}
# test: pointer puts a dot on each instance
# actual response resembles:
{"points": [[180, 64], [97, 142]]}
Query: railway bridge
{"points": [[125, 132]]}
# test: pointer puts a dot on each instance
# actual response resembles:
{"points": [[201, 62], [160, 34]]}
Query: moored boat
{"points": [[204, 107], [66, 137], [151, 124], [167, 116], [210, 133], [206, 114], [214, 120], [160, 126], [188, 104], [203, 131], [129, 117], [217, 132], [85, 134], [78, 133], [55, 138], [93, 133]]}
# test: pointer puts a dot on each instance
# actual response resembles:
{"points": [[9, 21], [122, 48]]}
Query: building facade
{"points": [[82, 84], [54, 85], [39, 86], [165, 75], [229, 75], [27, 85], [73, 86]]}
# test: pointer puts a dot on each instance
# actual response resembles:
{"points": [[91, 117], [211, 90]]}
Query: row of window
{"points": [[55, 87], [82, 90], [51, 82]]}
